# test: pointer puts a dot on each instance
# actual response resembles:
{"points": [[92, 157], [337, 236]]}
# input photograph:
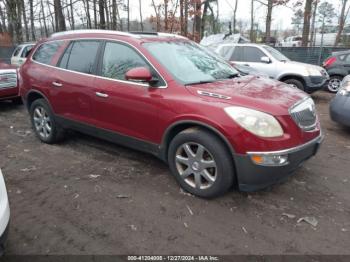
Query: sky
{"points": [[282, 15]]}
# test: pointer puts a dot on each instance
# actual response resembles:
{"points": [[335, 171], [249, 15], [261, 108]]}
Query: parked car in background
{"points": [[268, 60], [337, 66], [292, 41], [4, 214], [167, 96], [19, 55], [8, 83], [340, 105]]}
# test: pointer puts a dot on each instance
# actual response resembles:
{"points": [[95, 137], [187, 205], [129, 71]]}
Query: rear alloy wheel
{"points": [[334, 84], [44, 124], [201, 163]]}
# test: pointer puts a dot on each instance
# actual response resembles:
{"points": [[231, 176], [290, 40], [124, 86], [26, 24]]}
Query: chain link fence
{"points": [[309, 55]]}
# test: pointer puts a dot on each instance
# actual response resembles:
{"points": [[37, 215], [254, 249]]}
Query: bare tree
{"points": [[251, 33], [128, 10], [314, 14], [140, 8], [306, 26], [101, 7], [343, 15], [95, 13], [59, 17], [270, 4], [234, 16], [31, 18]]}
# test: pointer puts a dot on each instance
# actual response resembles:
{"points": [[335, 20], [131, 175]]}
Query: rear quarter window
{"points": [[46, 52]]}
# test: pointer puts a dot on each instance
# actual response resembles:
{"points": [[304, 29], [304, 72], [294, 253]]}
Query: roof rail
{"points": [[172, 35], [143, 33], [92, 31]]}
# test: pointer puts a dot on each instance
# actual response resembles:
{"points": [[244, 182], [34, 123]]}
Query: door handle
{"points": [[57, 84], [99, 94]]}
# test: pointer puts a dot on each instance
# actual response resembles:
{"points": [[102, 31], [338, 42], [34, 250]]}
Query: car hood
{"points": [[299, 64], [254, 92]]}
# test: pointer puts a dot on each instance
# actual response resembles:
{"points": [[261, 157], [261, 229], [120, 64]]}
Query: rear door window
{"points": [[46, 52], [252, 54], [237, 54], [80, 56]]}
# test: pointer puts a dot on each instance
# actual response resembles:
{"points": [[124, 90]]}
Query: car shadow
{"points": [[9, 106]]}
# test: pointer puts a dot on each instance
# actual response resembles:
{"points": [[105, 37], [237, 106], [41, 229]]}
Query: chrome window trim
{"points": [[318, 139], [102, 77]]}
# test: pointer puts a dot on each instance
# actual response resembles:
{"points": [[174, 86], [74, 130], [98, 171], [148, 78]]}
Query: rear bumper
{"points": [[252, 177], [339, 110]]}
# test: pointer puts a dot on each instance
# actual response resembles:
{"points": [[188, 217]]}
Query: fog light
{"points": [[270, 160]]}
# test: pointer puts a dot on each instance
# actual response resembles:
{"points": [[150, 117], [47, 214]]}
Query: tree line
{"points": [[29, 20]]}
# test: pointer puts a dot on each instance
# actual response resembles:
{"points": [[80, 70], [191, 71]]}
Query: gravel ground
{"points": [[86, 196]]}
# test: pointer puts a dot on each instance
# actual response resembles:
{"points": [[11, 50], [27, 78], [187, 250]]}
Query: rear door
{"points": [[126, 107], [251, 56], [72, 80]]}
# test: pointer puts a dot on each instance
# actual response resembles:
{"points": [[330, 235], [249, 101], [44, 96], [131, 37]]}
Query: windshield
{"points": [[276, 54], [189, 63]]}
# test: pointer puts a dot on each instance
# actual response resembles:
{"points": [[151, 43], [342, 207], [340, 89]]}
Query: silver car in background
{"points": [[271, 62]]}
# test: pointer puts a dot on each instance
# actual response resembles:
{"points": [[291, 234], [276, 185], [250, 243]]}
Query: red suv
{"points": [[167, 96]]}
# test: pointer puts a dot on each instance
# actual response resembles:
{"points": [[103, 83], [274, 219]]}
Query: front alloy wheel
{"points": [[201, 163], [196, 165]]}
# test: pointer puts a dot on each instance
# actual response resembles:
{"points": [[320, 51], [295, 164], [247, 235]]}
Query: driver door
{"points": [[125, 107]]}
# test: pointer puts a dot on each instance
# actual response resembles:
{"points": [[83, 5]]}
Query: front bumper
{"points": [[339, 110], [252, 177], [315, 83]]}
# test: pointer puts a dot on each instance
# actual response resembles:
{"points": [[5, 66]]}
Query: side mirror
{"points": [[139, 74], [265, 60]]}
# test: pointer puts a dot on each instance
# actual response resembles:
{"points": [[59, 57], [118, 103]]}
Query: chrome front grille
{"points": [[8, 80], [304, 114]]}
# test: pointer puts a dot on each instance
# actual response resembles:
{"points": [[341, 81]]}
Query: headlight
{"points": [[256, 122], [313, 71], [344, 89]]}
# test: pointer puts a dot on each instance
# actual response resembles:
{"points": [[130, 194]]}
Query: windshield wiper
{"points": [[200, 82]]}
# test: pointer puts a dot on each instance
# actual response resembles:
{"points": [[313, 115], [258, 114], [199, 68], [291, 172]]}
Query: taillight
{"points": [[329, 61]]}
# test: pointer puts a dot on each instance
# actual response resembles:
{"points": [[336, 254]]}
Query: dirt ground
{"points": [[87, 196]]}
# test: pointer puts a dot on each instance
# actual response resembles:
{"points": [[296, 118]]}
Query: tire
{"points": [[334, 84], [189, 169], [295, 83], [44, 124]]}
